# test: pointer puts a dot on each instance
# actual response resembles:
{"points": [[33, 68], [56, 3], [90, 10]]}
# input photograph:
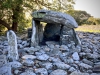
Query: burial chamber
{"points": [[59, 28]]}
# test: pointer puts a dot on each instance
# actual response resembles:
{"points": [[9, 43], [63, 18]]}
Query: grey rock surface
{"points": [[28, 62], [78, 73], [41, 71], [56, 17], [58, 72], [43, 57], [62, 65], [3, 60], [28, 57], [59, 63], [5, 70], [15, 64], [76, 56]]}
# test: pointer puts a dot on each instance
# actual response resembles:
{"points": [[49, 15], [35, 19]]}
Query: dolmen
{"points": [[60, 28]]}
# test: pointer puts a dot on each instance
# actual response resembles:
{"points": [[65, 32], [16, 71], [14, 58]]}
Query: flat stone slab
{"points": [[55, 17], [96, 69]]}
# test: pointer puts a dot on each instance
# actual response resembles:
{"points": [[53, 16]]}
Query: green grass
{"points": [[89, 28]]}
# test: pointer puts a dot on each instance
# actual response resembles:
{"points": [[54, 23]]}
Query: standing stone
{"points": [[12, 41], [33, 38]]}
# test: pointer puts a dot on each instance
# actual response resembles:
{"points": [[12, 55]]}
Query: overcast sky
{"points": [[90, 6]]}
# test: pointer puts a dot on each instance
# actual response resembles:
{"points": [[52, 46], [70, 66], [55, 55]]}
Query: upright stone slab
{"points": [[12, 41], [33, 38], [68, 35], [37, 33]]}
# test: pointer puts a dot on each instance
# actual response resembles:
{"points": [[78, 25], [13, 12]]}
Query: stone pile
{"points": [[53, 59]]}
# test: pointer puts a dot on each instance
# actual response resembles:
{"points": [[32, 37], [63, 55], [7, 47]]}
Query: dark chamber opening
{"points": [[51, 33]]}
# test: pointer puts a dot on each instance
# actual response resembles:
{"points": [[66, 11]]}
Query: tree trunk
{"points": [[5, 24], [14, 24], [15, 19]]}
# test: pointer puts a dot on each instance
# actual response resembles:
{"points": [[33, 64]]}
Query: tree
{"points": [[12, 12], [81, 17]]}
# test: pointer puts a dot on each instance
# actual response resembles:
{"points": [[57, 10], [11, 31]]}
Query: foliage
{"points": [[80, 16], [12, 12], [89, 28], [91, 21]]}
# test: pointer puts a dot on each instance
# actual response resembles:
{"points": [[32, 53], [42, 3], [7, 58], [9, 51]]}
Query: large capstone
{"points": [[55, 17]]}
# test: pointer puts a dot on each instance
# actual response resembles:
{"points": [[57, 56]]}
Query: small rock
{"points": [[88, 62], [86, 66], [28, 72], [59, 72], [57, 46], [54, 52], [64, 48], [78, 73], [19, 41], [31, 50], [51, 46], [76, 62], [15, 64], [72, 69], [41, 71], [28, 57], [61, 65], [75, 56], [20, 46], [24, 43], [43, 57], [92, 56], [5, 70], [54, 59], [47, 65], [47, 49], [5, 43], [70, 61], [16, 72], [95, 74], [3, 60], [28, 62], [96, 68]]}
